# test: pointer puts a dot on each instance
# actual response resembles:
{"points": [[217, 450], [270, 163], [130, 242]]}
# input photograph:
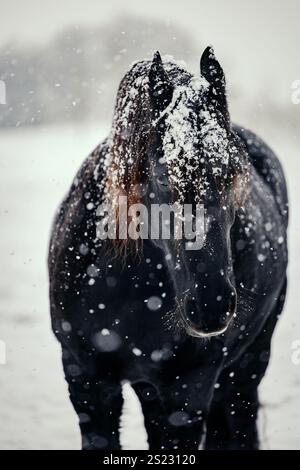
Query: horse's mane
{"points": [[132, 133], [132, 128]]}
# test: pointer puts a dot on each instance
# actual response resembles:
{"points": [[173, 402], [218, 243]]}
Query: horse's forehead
{"points": [[191, 92], [182, 128], [193, 137]]}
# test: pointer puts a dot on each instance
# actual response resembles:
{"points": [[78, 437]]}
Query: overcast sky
{"points": [[261, 37]]}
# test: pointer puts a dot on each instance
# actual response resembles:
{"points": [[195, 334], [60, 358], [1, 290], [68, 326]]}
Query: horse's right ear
{"points": [[160, 87]]}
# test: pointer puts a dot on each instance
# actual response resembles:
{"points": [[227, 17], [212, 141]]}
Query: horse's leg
{"points": [[186, 401], [97, 401], [153, 413], [232, 418]]}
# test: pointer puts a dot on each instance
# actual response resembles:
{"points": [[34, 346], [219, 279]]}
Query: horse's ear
{"points": [[211, 69], [160, 87]]}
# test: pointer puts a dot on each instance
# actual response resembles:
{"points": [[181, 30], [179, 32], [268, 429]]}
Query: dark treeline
{"points": [[76, 75]]}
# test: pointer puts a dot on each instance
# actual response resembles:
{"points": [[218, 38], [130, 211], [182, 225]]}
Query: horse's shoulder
{"points": [[92, 166], [261, 155], [266, 164], [84, 188], [88, 175]]}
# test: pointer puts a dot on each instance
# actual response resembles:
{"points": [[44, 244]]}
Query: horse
{"points": [[189, 329]]}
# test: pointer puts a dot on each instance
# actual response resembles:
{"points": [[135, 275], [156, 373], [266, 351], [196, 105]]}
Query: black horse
{"points": [[190, 330]]}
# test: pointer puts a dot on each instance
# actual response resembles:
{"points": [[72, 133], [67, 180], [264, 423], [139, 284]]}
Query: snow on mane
{"points": [[192, 130], [186, 131]]}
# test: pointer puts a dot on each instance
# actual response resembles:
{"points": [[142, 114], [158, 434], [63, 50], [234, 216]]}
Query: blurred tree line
{"points": [[75, 76]]}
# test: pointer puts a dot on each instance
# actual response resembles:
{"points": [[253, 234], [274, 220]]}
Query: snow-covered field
{"points": [[36, 167]]}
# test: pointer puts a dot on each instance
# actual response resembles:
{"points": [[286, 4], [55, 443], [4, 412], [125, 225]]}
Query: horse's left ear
{"points": [[211, 69], [160, 86]]}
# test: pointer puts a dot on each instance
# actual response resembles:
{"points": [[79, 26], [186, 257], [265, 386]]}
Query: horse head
{"points": [[172, 142]]}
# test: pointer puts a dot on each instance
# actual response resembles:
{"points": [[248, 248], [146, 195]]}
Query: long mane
{"points": [[132, 134]]}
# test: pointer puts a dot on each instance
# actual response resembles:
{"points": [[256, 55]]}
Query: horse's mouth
{"points": [[195, 331]]}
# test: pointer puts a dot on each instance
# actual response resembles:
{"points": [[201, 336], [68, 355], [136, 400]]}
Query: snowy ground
{"points": [[36, 166]]}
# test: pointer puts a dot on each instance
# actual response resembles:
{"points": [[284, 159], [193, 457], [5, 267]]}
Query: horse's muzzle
{"points": [[209, 318]]}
